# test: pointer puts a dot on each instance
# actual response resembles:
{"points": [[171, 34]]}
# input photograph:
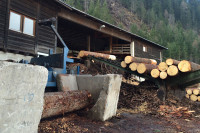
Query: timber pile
{"points": [[193, 94], [170, 68]]}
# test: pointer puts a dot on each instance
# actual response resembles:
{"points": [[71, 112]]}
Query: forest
{"points": [[170, 23]]}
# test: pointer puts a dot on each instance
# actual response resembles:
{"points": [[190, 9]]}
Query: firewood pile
{"points": [[193, 94], [170, 68]]}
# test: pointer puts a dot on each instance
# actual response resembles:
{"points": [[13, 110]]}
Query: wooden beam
{"points": [[84, 21]]}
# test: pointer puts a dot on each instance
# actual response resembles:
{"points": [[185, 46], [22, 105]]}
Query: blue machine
{"points": [[55, 63]]}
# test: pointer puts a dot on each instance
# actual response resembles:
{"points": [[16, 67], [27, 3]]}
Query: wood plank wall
{"points": [[152, 51], [2, 21], [44, 38]]}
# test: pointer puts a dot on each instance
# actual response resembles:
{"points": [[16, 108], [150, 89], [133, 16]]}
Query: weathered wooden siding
{"points": [[18, 41], [2, 21], [46, 37], [152, 51]]}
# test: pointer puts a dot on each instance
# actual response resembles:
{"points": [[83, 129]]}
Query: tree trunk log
{"points": [[130, 59], [155, 73], [172, 62], [58, 103], [133, 66], [163, 75], [186, 66], [145, 68], [193, 97], [123, 64], [87, 53], [172, 70], [163, 66]]}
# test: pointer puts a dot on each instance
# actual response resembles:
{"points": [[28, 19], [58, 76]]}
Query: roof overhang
{"points": [[112, 30]]}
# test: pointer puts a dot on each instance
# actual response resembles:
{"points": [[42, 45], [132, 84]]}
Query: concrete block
{"points": [[21, 97], [66, 82], [105, 89], [94, 84]]}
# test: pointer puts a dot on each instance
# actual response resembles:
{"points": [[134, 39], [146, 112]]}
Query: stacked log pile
{"points": [[193, 94], [170, 68]]}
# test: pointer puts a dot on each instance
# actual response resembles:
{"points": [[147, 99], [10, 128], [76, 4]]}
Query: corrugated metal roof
{"points": [[106, 23]]}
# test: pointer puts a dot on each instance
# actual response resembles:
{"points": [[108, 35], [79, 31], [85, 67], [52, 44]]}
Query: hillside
{"points": [[173, 24]]}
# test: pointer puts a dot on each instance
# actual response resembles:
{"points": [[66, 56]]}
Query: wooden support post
{"points": [[162, 91], [161, 60], [132, 49], [111, 42], [88, 43]]}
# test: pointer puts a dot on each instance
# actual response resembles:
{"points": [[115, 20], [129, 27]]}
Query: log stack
{"points": [[193, 94], [163, 70]]}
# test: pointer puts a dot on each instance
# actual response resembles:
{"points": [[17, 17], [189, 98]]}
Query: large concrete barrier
{"points": [[105, 92], [21, 97]]}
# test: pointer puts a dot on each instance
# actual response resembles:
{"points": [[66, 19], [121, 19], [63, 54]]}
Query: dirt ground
{"points": [[139, 111], [125, 122]]}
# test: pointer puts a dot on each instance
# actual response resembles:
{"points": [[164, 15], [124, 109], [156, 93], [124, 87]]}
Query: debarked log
{"points": [[58, 103], [95, 54], [130, 59]]}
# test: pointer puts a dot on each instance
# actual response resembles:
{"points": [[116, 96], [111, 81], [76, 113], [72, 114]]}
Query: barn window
{"points": [[144, 48], [29, 26], [15, 21], [21, 23]]}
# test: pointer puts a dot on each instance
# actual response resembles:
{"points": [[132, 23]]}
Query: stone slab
{"points": [[21, 97]]}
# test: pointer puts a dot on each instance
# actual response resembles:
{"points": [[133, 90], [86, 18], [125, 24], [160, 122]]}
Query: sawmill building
{"points": [[21, 34]]}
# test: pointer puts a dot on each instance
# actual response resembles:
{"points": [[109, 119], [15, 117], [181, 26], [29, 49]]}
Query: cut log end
{"points": [[123, 64], [198, 98], [189, 91], [155, 73], [172, 70], [141, 68], [172, 62], [133, 66], [196, 92], [187, 96], [112, 57], [193, 97], [184, 66], [169, 62], [163, 66], [128, 59], [81, 54], [163, 75], [154, 62]]}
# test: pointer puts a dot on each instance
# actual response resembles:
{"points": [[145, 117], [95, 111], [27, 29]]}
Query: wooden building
{"points": [[20, 32]]}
